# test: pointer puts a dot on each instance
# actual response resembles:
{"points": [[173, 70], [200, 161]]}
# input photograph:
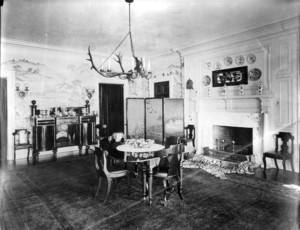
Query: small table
{"points": [[145, 156]]}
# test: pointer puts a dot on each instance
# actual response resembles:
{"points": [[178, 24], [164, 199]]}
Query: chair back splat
{"points": [[282, 150], [172, 140], [190, 134]]}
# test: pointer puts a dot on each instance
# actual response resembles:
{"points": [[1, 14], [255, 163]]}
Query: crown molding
{"points": [[32, 45], [290, 25]]}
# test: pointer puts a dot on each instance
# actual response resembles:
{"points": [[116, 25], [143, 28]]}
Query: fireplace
{"points": [[238, 125], [232, 139]]}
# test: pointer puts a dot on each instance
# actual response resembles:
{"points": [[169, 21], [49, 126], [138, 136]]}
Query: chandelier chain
{"points": [[114, 50], [130, 35], [138, 66]]}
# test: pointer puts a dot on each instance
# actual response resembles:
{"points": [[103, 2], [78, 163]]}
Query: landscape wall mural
{"points": [[50, 88]]}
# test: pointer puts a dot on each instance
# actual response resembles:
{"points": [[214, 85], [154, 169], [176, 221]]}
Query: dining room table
{"points": [[147, 157]]}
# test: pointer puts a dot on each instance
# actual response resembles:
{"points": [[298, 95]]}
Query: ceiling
{"points": [[157, 25]]}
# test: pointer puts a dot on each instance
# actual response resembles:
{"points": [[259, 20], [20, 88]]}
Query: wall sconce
{"points": [[22, 92], [90, 93]]}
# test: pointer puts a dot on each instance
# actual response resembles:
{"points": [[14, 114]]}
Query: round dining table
{"points": [[148, 159]]}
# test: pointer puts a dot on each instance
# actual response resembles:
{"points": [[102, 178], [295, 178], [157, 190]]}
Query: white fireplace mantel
{"points": [[236, 103], [250, 111]]}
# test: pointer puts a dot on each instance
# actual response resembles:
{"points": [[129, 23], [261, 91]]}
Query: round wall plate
{"points": [[254, 74], [251, 58], [239, 60], [228, 61], [206, 80]]}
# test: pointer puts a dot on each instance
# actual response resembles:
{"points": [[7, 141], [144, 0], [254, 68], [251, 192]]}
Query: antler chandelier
{"points": [[138, 68]]}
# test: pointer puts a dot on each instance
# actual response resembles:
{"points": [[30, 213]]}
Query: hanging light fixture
{"points": [[189, 84], [139, 64]]}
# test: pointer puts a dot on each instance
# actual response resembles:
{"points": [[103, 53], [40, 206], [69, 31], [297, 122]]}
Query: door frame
{"points": [[100, 111]]}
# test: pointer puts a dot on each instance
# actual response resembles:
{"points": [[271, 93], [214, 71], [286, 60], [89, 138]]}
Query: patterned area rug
{"points": [[219, 167], [60, 195]]}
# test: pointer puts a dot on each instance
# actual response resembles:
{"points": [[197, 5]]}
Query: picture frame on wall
{"points": [[228, 77]]}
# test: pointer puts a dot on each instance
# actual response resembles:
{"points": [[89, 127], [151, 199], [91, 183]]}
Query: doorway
{"points": [[161, 89], [111, 107], [3, 119]]}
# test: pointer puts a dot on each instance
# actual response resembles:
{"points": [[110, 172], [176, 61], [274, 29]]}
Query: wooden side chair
{"points": [[190, 134], [172, 140], [110, 175], [21, 141], [282, 151], [170, 169]]}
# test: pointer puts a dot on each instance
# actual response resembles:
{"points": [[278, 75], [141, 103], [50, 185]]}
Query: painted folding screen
{"points": [[135, 117], [173, 117], [154, 119]]}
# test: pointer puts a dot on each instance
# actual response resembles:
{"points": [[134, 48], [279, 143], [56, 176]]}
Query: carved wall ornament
{"points": [[255, 116], [217, 66], [207, 65]]}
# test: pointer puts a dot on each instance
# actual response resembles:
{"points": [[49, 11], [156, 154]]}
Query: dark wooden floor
{"points": [[59, 195]]}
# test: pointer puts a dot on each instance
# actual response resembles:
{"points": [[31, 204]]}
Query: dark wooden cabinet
{"points": [[56, 132]]}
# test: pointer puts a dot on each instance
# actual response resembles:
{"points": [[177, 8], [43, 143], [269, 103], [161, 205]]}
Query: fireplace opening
{"points": [[238, 140]]}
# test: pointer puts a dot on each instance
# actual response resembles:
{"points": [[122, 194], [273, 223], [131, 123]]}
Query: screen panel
{"points": [[154, 119], [135, 117], [173, 117]]}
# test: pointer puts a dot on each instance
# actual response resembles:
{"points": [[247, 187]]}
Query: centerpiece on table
{"points": [[140, 143]]}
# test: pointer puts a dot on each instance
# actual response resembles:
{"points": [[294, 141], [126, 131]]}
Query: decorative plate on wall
{"points": [[217, 66], [239, 60], [206, 80], [251, 58], [254, 74], [228, 61]]}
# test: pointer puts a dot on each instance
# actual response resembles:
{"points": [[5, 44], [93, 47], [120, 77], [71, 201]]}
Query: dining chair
{"points": [[103, 171], [190, 134], [110, 143], [172, 140], [21, 141], [282, 152], [170, 169]]}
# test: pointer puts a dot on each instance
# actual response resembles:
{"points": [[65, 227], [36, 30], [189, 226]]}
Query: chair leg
{"points": [[99, 185], [265, 163], [276, 163], [128, 184], [292, 164], [165, 183], [108, 189], [179, 188], [116, 183], [28, 153], [283, 164]]}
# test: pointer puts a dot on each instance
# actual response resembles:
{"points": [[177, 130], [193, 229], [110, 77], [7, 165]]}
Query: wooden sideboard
{"points": [[53, 132], [56, 132]]}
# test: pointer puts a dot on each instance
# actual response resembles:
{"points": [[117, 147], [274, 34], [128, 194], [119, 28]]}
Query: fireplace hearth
{"points": [[238, 140]]}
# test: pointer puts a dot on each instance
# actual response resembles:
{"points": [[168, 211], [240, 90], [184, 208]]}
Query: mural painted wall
{"points": [[49, 87], [55, 78]]}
